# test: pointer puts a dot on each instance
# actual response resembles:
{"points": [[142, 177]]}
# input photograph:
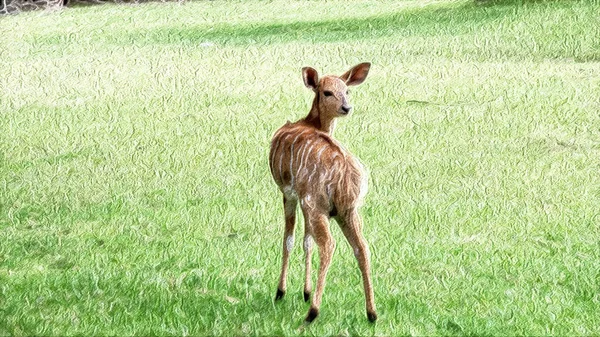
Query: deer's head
{"points": [[331, 92]]}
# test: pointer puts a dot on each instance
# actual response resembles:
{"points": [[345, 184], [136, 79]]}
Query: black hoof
{"points": [[306, 296], [312, 314], [279, 295], [372, 316]]}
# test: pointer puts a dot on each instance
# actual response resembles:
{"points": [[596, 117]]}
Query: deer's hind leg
{"points": [[351, 225], [289, 206]]}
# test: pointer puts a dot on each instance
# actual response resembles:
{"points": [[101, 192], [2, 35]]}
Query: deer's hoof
{"points": [[312, 314], [279, 294], [306, 296], [372, 316]]}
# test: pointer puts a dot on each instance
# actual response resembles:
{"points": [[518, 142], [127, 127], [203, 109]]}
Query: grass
{"points": [[135, 196]]}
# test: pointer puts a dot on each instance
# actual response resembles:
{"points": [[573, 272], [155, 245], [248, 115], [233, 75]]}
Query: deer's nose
{"points": [[346, 108]]}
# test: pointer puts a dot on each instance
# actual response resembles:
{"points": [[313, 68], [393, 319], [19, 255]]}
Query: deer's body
{"points": [[312, 168], [308, 165]]}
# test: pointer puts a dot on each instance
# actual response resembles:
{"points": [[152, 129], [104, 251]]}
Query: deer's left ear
{"points": [[357, 74]]}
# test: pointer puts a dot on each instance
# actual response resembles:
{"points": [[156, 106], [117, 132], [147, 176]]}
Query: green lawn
{"points": [[136, 198]]}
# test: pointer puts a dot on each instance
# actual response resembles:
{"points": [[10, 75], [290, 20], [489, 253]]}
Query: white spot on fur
{"points": [[289, 243], [308, 242], [289, 192], [306, 202]]}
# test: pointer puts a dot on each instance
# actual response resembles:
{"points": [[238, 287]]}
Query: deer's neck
{"points": [[316, 119]]}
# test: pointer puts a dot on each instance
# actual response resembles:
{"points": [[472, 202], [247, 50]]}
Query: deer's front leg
{"points": [[308, 248], [289, 206], [326, 245]]}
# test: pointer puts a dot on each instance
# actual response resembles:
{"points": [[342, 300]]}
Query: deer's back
{"points": [[308, 164]]}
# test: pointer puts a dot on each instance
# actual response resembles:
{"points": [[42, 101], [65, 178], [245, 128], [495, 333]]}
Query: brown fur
{"points": [[310, 166]]}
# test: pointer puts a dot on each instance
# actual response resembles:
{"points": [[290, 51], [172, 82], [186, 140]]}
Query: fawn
{"points": [[310, 166]]}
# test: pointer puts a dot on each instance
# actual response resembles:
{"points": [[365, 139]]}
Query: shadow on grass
{"points": [[433, 20], [512, 2]]}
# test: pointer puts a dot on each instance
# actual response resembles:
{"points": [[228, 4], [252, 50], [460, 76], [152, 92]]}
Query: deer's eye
{"points": [[327, 93]]}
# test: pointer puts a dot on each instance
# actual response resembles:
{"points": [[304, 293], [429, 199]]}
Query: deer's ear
{"points": [[310, 77], [357, 74]]}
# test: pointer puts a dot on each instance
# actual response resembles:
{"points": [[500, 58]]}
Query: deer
{"points": [[311, 168]]}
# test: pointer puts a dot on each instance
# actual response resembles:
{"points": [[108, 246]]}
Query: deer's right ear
{"points": [[310, 77]]}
